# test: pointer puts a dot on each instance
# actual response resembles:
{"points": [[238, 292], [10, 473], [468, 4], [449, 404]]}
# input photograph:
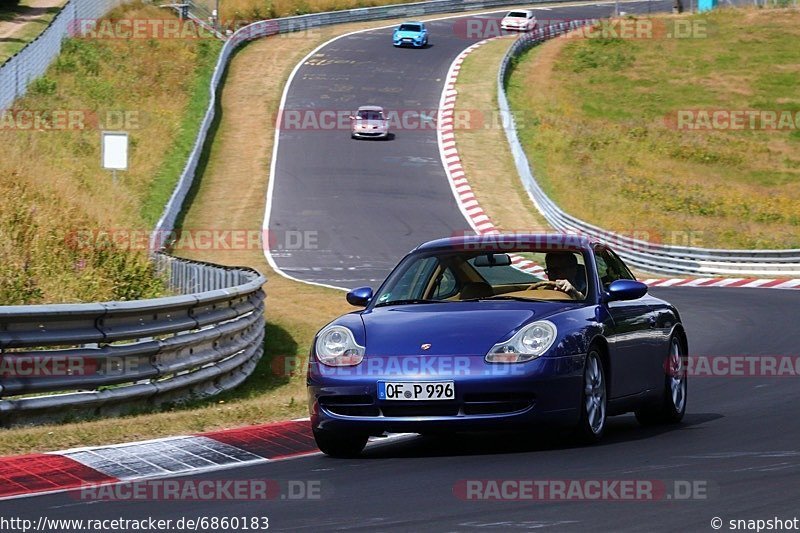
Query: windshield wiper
{"points": [[411, 301]]}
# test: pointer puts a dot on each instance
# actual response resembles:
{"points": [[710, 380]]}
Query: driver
{"points": [[562, 269]]}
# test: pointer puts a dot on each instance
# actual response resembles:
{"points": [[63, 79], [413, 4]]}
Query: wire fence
{"points": [[32, 61]]}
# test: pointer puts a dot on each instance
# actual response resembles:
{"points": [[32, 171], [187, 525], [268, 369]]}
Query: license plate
{"points": [[416, 390], [406, 40]]}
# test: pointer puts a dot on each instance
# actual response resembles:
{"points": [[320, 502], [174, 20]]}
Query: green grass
{"points": [[170, 169], [599, 136]]}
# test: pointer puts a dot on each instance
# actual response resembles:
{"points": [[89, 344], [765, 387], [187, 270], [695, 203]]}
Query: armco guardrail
{"points": [[32, 61], [66, 360], [266, 28], [647, 256]]}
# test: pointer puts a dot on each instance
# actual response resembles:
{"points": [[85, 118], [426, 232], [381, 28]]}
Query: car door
{"points": [[630, 341]]}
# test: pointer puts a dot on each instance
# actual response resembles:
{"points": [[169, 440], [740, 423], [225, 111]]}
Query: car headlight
{"points": [[336, 346], [527, 344]]}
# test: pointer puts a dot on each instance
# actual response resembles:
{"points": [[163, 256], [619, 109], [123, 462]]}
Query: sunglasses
{"points": [[556, 269]]}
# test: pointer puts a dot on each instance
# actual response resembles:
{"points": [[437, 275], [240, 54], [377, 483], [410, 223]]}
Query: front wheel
{"points": [[672, 404], [593, 400], [337, 444]]}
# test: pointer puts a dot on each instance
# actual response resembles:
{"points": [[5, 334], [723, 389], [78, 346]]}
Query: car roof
{"points": [[370, 108], [526, 11], [413, 22], [499, 242]]}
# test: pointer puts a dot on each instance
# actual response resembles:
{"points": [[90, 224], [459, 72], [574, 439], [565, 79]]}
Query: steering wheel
{"points": [[542, 285]]}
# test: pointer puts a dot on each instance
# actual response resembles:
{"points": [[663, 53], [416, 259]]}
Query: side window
{"points": [[413, 281], [446, 285], [624, 271], [610, 268]]}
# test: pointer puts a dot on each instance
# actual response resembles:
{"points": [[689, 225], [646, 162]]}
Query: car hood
{"points": [[456, 328]]}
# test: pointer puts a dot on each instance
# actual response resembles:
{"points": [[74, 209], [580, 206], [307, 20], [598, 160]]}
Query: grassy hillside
{"points": [[56, 196], [599, 125]]}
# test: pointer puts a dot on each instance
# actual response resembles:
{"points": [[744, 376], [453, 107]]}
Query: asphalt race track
{"points": [[365, 204], [371, 202], [740, 439]]}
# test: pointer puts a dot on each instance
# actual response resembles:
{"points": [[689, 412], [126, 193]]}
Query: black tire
{"points": [[337, 444], [592, 423], [671, 407]]}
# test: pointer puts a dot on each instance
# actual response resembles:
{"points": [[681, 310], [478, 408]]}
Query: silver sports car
{"points": [[369, 122]]}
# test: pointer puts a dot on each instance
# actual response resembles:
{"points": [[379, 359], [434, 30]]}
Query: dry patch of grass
{"points": [[598, 140], [483, 147]]}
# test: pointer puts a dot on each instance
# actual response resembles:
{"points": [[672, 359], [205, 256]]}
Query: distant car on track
{"points": [[459, 338], [410, 34], [369, 122], [520, 20]]}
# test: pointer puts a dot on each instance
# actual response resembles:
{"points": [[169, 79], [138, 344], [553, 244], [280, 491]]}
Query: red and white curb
{"points": [[482, 224], [745, 283], [465, 196], [43, 473], [80, 467]]}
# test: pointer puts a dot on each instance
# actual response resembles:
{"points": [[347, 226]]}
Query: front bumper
{"points": [[546, 391], [370, 134], [405, 42]]}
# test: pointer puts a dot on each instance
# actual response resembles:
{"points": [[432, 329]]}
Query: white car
{"points": [[519, 20], [369, 122]]}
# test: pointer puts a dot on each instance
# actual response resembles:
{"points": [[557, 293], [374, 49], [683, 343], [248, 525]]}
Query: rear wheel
{"points": [[592, 423], [672, 405], [337, 444]]}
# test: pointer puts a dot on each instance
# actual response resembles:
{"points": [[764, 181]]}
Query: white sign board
{"points": [[115, 150]]}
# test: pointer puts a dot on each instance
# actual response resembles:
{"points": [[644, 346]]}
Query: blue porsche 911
{"points": [[497, 332], [410, 34]]}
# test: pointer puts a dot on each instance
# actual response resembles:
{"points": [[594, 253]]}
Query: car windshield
{"points": [[469, 275], [410, 27], [370, 115], [517, 14]]}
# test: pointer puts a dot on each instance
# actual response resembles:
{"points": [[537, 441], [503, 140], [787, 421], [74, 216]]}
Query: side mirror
{"points": [[626, 289], [359, 297], [352, 117]]}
